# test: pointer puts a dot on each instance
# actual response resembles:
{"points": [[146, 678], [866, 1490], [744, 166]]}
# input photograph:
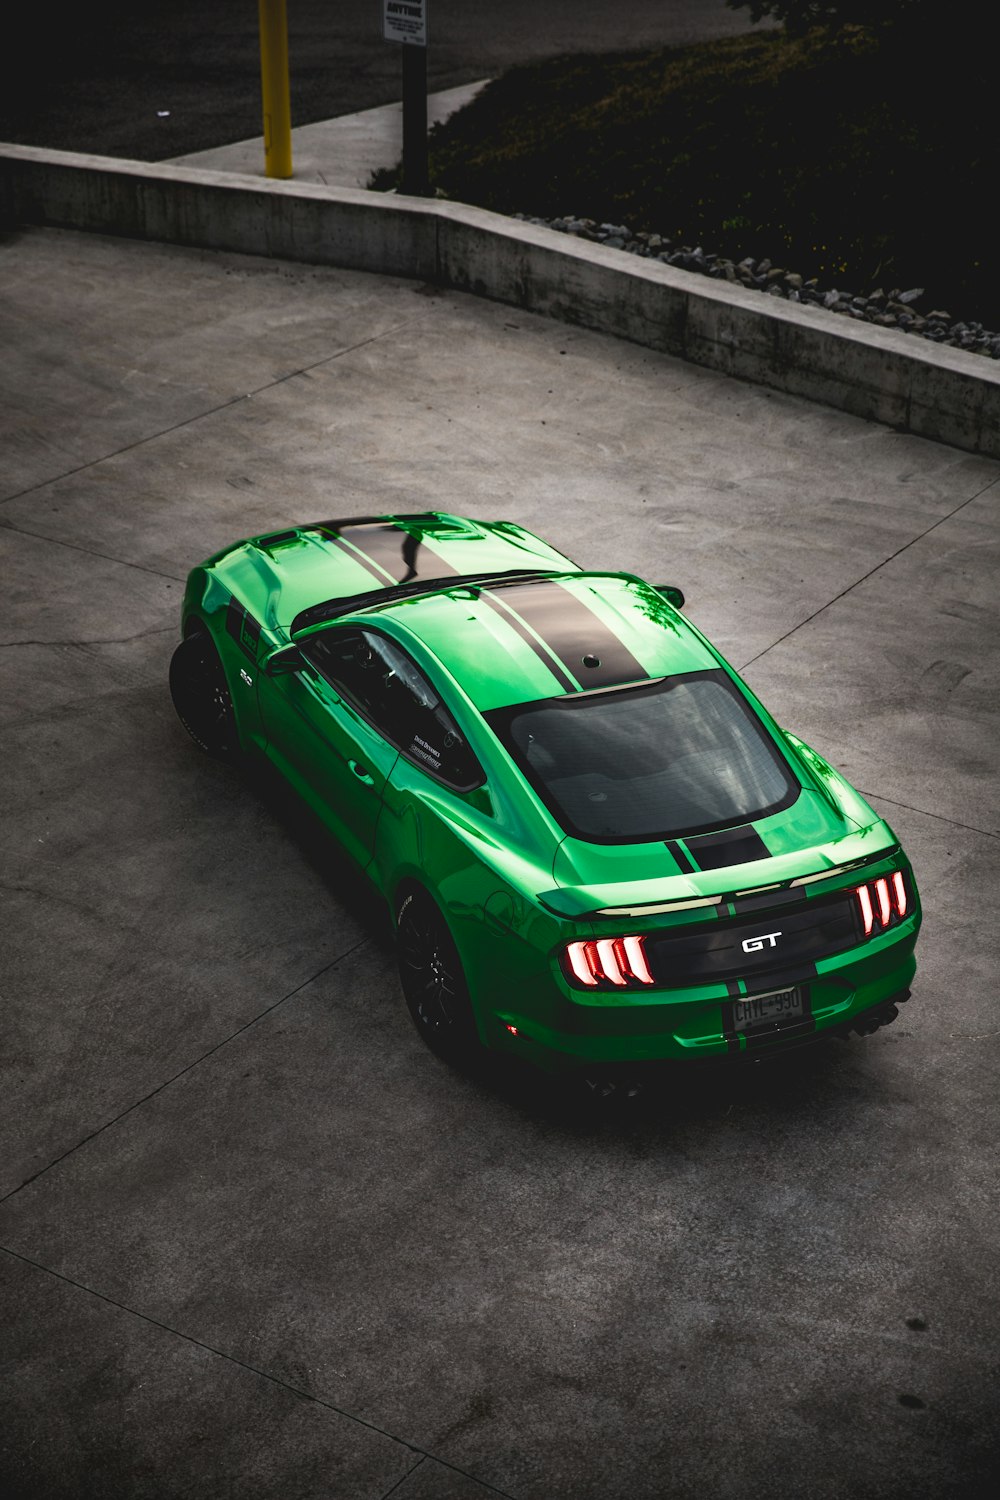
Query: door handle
{"points": [[361, 773]]}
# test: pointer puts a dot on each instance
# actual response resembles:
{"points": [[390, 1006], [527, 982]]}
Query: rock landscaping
{"points": [[894, 308]]}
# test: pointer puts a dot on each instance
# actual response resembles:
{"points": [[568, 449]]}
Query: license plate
{"points": [[765, 1010]]}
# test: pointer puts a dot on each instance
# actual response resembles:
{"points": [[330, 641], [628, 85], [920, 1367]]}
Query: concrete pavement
{"points": [[343, 152], [220, 199], [258, 1242]]}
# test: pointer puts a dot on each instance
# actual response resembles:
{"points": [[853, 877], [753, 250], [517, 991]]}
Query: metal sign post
{"points": [[405, 21]]}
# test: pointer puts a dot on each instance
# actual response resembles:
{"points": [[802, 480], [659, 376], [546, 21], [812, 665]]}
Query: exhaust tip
{"points": [[870, 1021]]}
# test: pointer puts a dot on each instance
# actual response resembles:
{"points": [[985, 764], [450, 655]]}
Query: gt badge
{"points": [[766, 940]]}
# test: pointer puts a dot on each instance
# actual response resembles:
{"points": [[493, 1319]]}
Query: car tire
{"points": [[433, 982], [201, 695]]}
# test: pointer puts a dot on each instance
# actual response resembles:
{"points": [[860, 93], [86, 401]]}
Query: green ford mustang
{"points": [[596, 845]]}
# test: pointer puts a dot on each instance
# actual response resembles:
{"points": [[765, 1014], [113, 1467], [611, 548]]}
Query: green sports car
{"points": [[596, 845]]}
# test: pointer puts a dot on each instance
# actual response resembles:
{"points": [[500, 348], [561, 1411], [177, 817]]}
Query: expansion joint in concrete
{"points": [[188, 1068], [211, 411], [256, 1370], [927, 531], [987, 833], [60, 541]]}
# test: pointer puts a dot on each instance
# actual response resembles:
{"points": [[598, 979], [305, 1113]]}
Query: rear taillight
{"points": [[619, 961], [882, 902]]}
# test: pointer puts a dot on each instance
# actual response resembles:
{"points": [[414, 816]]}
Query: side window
{"points": [[390, 690], [346, 659]]}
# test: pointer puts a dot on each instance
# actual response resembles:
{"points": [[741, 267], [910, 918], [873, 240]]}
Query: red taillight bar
{"points": [[576, 956], [620, 961], [899, 893], [609, 960], [635, 955], [884, 906], [882, 902]]}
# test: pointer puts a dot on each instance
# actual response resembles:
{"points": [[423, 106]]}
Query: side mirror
{"points": [[282, 663], [671, 593]]}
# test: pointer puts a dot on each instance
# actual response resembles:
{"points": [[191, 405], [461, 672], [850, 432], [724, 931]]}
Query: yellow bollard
{"points": [[274, 86]]}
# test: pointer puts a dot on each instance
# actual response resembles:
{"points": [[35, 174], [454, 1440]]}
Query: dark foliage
{"points": [[963, 18], [800, 16], [843, 155]]}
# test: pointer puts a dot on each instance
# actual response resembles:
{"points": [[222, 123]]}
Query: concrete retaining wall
{"points": [[887, 376]]}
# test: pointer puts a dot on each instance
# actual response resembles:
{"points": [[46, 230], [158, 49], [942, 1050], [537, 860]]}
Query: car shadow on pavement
{"points": [[342, 878], [649, 1100], [658, 1099]]}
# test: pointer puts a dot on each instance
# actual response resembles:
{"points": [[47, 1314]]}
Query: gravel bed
{"points": [[887, 309]]}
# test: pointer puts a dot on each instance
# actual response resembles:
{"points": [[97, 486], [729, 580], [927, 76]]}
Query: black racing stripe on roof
{"points": [[392, 548], [516, 623], [588, 648]]}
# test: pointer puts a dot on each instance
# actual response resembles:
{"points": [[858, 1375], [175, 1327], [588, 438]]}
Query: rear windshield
{"points": [[683, 755]]}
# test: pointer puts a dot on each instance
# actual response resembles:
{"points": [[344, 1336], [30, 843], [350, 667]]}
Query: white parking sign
{"points": [[405, 21]]}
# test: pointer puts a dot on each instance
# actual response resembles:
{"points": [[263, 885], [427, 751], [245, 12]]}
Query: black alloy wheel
{"points": [[430, 972], [201, 695]]}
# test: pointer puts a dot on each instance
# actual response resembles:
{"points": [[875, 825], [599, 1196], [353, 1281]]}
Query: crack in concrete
{"points": [[9, 889], [117, 640]]}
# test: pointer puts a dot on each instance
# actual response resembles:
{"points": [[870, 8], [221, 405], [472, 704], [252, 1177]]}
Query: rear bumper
{"points": [[855, 991]]}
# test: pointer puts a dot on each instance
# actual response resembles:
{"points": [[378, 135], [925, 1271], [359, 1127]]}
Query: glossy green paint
{"points": [[281, 573], [512, 886]]}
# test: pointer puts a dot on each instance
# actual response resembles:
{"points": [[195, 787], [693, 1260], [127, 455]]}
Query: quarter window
{"points": [[382, 681]]}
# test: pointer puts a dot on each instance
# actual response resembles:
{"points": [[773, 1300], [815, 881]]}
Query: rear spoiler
{"points": [[333, 609], [578, 904]]}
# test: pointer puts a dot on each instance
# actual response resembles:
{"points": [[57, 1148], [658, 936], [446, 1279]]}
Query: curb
{"points": [[889, 377]]}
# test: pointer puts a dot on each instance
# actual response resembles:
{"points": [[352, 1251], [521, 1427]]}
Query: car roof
{"points": [[303, 570], [507, 615], [517, 641]]}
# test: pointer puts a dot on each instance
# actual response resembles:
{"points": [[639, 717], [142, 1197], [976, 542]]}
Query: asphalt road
{"points": [[166, 77]]}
